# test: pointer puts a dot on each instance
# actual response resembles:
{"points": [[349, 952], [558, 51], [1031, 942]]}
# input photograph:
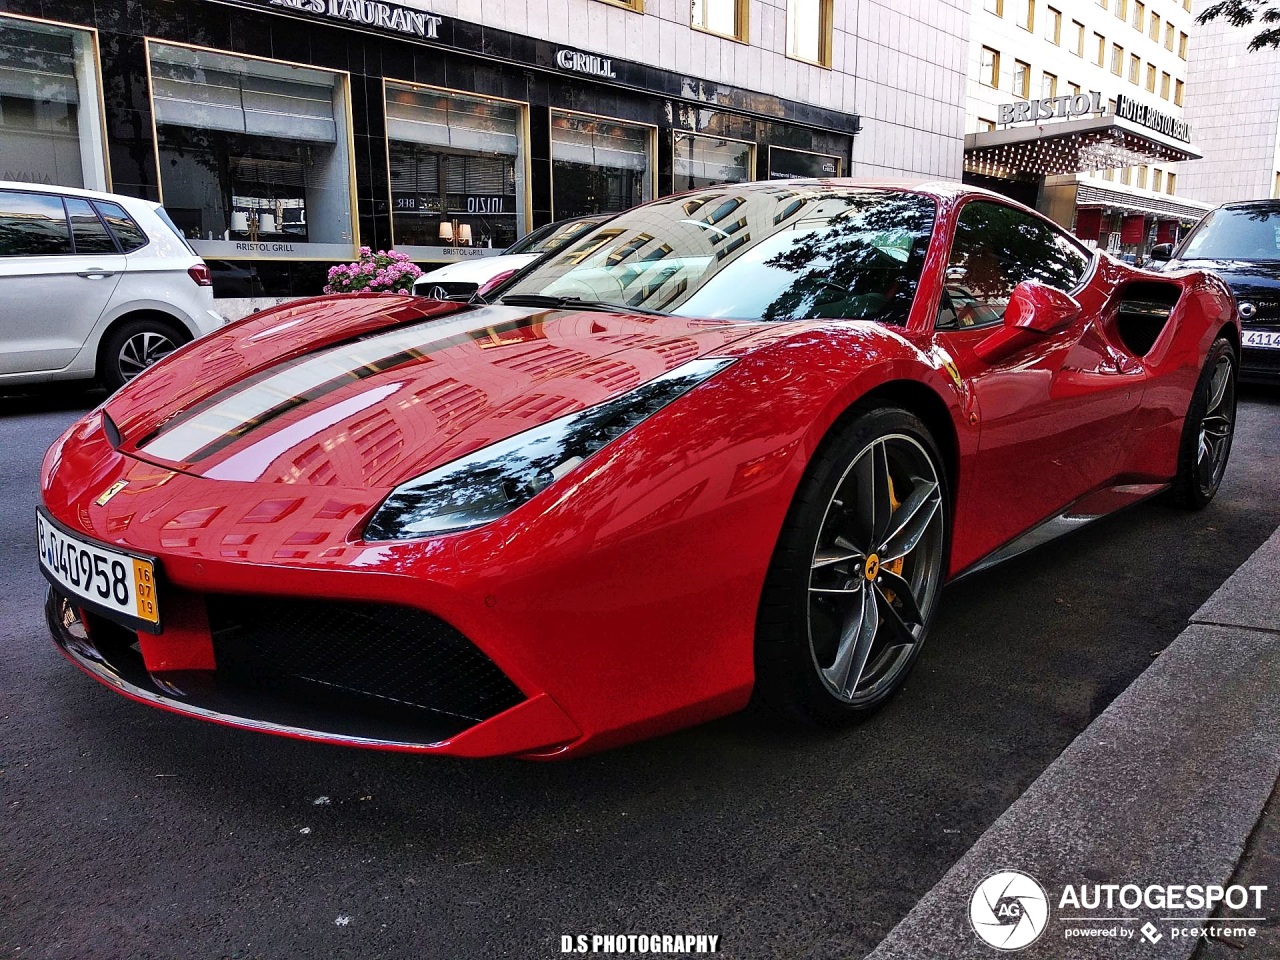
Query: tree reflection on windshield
{"points": [[780, 253], [1239, 234]]}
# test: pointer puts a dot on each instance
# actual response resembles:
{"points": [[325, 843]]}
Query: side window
{"points": [[89, 233], [127, 233], [1068, 264], [33, 225], [996, 248]]}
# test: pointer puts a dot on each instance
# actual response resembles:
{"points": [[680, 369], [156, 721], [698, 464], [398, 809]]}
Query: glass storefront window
{"points": [[703, 161], [255, 155], [50, 106], [457, 170], [598, 165]]}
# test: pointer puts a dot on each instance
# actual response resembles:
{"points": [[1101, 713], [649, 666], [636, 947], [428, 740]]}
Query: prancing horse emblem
{"points": [[110, 492]]}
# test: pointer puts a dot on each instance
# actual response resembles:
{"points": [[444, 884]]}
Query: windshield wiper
{"points": [[574, 303]]}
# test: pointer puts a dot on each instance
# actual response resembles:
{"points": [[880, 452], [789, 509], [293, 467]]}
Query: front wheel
{"points": [[1208, 430], [855, 578]]}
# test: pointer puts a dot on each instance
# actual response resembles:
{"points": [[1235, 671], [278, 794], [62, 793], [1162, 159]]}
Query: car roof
{"points": [[1252, 205], [71, 192], [947, 188]]}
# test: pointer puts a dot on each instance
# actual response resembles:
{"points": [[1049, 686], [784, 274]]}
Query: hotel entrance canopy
{"points": [[1095, 195], [1070, 146]]}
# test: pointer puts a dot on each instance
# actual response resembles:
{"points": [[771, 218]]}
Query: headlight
{"points": [[492, 482]]}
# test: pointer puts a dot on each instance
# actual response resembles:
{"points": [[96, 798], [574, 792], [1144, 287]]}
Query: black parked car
{"points": [[1241, 243]]}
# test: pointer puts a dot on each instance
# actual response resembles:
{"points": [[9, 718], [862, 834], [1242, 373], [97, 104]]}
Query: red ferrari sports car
{"points": [[725, 443]]}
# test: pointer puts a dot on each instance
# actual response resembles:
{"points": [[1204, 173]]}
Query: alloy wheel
{"points": [[1216, 425], [141, 351], [876, 569]]}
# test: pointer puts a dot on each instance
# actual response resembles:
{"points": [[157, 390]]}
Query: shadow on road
{"points": [[50, 398]]}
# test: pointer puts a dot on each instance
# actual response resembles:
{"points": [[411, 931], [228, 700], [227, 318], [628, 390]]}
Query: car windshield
{"points": [[779, 253], [1242, 233], [551, 237]]}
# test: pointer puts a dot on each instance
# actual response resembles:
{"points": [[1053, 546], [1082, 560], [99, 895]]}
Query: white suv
{"points": [[93, 285]]}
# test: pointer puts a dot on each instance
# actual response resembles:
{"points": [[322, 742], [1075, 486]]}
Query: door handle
{"points": [[92, 273]]}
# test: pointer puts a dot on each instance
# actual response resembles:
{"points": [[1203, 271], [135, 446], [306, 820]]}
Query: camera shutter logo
{"points": [[1009, 910]]}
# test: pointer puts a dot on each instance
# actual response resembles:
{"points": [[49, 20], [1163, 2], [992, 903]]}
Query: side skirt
{"points": [[1080, 513]]}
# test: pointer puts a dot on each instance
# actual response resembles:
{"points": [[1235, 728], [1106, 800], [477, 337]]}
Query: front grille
{"points": [[446, 289], [388, 659], [1268, 309], [1260, 364]]}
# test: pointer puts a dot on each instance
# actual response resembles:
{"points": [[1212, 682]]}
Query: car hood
{"points": [[371, 391], [476, 271], [1244, 277]]}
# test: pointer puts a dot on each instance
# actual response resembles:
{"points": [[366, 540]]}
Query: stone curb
{"points": [[1164, 787]]}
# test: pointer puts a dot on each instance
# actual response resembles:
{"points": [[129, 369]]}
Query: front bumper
{"points": [[1260, 364], [301, 707], [622, 613]]}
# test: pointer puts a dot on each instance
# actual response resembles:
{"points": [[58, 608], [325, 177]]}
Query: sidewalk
{"points": [[1167, 786]]}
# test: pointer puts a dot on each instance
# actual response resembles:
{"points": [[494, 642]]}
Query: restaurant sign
{"points": [[588, 63], [370, 13]]}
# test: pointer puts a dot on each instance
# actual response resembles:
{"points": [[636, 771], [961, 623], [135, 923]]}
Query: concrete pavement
{"points": [[1165, 787]]}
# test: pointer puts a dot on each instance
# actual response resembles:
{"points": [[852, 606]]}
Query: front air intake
{"points": [[384, 658]]}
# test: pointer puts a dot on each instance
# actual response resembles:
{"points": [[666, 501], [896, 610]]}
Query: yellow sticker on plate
{"points": [[144, 576]]}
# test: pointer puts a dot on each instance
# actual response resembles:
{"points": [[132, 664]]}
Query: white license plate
{"points": [[1267, 339], [117, 583]]}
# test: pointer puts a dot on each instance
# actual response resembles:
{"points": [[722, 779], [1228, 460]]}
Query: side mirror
{"points": [[1040, 309], [1034, 311], [1162, 251]]}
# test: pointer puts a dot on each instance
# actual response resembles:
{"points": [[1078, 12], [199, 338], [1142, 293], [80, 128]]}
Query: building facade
{"points": [[1233, 103], [282, 135], [1077, 107]]}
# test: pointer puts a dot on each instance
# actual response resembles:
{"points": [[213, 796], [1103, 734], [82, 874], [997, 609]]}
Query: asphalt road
{"points": [[126, 832]]}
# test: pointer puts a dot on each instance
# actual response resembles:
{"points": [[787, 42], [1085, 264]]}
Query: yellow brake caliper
{"points": [[894, 566]]}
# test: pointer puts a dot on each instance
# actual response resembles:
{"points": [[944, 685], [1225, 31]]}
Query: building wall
{"points": [[908, 64], [898, 65], [1003, 33], [1233, 103]]}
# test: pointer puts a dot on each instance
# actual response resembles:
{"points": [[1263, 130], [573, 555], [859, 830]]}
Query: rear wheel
{"points": [[133, 346], [1208, 430], [855, 578]]}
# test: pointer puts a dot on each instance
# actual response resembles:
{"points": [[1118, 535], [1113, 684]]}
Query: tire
{"points": [[1208, 430], [832, 605], [133, 346]]}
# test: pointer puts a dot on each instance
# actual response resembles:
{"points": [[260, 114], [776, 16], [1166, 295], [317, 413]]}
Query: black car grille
{"points": [[1268, 309], [387, 659], [446, 289], [1260, 364]]}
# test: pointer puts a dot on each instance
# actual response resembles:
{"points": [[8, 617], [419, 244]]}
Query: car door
{"points": [[1051, 413], [59, 267]]}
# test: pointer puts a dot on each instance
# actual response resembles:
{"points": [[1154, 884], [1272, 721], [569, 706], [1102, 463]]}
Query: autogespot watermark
{"points": [[640, 944], [1010, 911]]}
